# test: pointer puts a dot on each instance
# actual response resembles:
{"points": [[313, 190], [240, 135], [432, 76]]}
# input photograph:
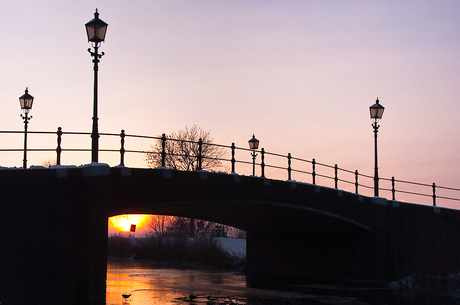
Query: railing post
{"points": [[262, 163], [289, 166], [233, 158], [313, 173], [200, 157], [356, 181], [122, 147], [163, 150], [393, 191], [434, 194], [58, 148], [336, 179]]}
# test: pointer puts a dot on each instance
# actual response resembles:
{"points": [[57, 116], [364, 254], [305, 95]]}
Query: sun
{"points": [[122, 223]]}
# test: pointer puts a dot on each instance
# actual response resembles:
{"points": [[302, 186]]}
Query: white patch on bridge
{"points": [[96, 169], [166, 172], [379, 200], [395, 204], [125, 172], [62, 170], [236, 177], [437, 210], [204, 175]]}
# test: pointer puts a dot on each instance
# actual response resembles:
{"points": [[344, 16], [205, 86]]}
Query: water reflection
{"points": [[157, 283]]}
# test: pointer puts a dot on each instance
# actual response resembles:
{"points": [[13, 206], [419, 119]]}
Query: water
{"points": [[160, 283]]}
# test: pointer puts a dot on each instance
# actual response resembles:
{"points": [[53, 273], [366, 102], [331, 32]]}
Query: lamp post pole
{"points": [[95, 129], [26, 100], [376, 111], [253, 145], [26, 122], [96, 30], [376, 168], [254, 155]]}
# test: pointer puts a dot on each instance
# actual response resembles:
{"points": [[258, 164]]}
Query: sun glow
{"points": [[122, 223]]}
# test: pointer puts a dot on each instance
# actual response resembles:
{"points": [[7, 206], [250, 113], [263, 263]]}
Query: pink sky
{"points": [[300, 75]]}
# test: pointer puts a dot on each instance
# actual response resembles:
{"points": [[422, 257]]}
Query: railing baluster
{"points": [[163, 150], [313, 173], [434, 194], [58, 148], [233, 158], [356, 181], [122, 147], [393, 191], [262, 162], [336, 179], [289, 166], [200, 156]]}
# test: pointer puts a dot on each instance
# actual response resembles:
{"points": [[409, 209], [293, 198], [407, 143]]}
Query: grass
{"points": [[203, 251]]}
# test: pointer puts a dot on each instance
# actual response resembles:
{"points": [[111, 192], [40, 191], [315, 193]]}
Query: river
{"points": [[165, 284]]}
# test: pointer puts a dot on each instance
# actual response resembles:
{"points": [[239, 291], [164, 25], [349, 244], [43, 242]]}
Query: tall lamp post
{"points": [[376, 114], [26, 100], [253, 145], [95, 29]]}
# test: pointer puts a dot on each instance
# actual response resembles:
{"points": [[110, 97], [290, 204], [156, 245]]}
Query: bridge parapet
{"points": [[280, 165]]}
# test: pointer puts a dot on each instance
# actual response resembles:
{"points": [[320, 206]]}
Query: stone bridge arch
{"points": [[55, 222]]}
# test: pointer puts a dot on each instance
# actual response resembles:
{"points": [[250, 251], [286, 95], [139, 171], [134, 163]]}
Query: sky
{"points": [[300, 75]]}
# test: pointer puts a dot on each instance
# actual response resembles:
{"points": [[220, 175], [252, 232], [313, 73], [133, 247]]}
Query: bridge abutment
{"points": [[54, 235], [327, 257]]}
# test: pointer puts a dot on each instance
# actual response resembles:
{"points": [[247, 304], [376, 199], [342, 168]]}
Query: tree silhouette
{"points": [[182, 151]]}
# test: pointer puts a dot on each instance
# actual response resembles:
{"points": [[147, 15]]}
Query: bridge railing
{"points": [[311, 171]]}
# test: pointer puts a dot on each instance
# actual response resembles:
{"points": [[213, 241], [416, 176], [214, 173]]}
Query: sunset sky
{"points": [[300, 75]]}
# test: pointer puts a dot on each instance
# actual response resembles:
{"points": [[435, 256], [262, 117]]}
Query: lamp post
{"points": [[376, 111], [253, 145], [26, 100], [95, 29]]}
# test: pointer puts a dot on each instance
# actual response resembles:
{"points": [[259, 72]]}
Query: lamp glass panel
{"points": [[101, 29], [376, 111], [90, 32], [253, 143]]}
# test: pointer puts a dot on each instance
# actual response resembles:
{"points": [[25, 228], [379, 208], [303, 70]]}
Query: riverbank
{"points": [[224, 253]]}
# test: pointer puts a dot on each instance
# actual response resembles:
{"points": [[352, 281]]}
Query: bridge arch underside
{"points": [[284, 239]]}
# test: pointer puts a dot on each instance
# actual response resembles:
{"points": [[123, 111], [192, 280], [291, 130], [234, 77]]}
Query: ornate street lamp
{"points": [[376, 111], [26, 100], [95, 29], [253, 145]]}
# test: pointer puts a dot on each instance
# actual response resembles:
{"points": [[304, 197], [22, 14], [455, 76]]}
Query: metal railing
{"points": [[310, 168]]}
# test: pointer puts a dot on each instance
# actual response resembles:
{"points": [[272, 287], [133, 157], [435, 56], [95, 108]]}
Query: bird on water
{"points": [[126, 296]]}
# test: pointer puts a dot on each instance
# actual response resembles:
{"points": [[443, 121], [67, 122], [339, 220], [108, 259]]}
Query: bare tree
{"points": [[182, 226], [236, 233], [159, 224], [48, 162], [182, 150]]}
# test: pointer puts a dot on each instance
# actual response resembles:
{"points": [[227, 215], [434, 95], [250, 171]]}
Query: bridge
{"points": [[54, 223]]}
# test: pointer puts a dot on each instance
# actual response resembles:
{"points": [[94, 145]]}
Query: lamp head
{"points": [[253, 143], [26, 100], [96, 29], [376, 110]]}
